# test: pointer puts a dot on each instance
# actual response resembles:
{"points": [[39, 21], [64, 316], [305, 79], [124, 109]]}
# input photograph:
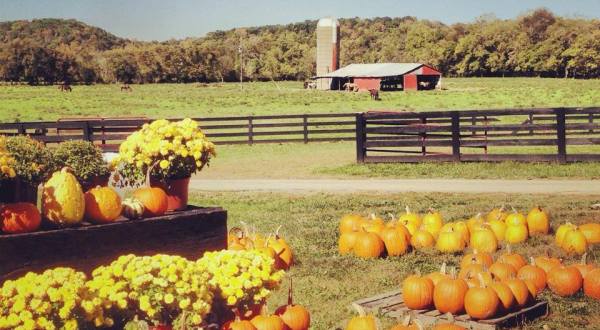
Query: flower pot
{"points": [[99, 180], [177, 192], [13, 191], [160, 327], [8, 191]]}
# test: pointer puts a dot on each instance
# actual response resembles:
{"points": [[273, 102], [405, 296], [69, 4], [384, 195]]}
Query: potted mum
{"points": [[166, 154], [7, 172], [86, 162]]}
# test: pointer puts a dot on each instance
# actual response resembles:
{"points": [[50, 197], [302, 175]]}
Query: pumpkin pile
{"points": [[273, 245], [484, 288], [372, 237], [575, 239]]}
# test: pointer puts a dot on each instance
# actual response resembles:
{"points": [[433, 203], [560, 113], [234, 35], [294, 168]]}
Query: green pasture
{"points": [[327, 283]]}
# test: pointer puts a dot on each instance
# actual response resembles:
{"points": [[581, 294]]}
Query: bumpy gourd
{"points": [[63, 202]]}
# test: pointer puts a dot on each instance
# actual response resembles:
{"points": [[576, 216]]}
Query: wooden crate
{"points": [[186, 233], [391, 304]]}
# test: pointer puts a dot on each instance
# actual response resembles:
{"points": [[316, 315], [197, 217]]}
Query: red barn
{"points": [[385, 76]]}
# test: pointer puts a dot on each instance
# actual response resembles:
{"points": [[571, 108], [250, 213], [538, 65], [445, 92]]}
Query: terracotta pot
{"points": [[100, 180], [177, 192], [160, 327]]}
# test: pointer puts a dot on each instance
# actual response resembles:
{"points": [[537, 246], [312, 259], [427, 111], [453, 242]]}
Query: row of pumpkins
{"points": [[576, 239], [372, 237], [273, 245], [64, 204], [485, 289]]}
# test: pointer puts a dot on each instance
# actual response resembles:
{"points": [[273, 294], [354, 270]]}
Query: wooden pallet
{"points": [[391, 304]]}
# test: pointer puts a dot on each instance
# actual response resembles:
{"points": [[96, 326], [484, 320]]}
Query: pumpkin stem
{"points": [[513, 209], [584, 259], [453, 273], [532, 261], [480, 278], [418, 272], [359, 309], [406, 320], [407, 209], [508, 248], [237, 231], [392, 216], [450, 317], [443, 268], [277, 232]]}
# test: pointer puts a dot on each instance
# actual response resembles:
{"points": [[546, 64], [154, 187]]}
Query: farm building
{"points": [[383, 76]]}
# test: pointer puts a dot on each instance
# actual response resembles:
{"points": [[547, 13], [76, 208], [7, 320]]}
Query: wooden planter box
{"points": [[186, 233]]}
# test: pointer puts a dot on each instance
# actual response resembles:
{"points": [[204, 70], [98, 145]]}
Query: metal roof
{"points": [[373, 70]]}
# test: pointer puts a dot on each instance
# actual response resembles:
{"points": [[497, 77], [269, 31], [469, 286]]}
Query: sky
{"points": [[166, 19]]}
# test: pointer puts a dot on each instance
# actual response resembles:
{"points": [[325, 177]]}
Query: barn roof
{"points": [[373, 70]]}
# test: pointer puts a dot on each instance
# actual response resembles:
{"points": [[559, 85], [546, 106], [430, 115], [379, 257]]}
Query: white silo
{"points": [[328, 49]]}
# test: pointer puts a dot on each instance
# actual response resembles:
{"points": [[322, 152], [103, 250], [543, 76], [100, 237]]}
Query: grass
{"points": [[27, 103], [327, 283]]}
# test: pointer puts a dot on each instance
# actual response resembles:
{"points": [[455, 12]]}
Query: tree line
{"points": [[536, 44]]}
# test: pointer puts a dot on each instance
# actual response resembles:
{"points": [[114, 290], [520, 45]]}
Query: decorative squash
{"points": [[435, 277], [132, 208], [395, 241], [583, 267], [481, 302], [499, 229], [483, 239], [62, 199], [538, 222], [515, 219], [432, 222], [591, 284], [294, 316], [562, 231], [450, 241], [513, 259], [351, 222], [547, 263], [477, 257], [268, 322], [417, 292], [502, 271], [449, 295], [496, 214], [347, 241], [565, 281], [102, 205], [534, 274], [516, 233], [519, 290], [574, 242], [410, 217], [368, 245], [505, 295], [154, 199], [20, 218], [422, 239], [362, 321], [591, 231]]}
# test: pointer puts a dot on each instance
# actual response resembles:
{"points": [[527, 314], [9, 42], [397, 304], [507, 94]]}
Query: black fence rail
{"points": [[529, 135], [108, 133]]}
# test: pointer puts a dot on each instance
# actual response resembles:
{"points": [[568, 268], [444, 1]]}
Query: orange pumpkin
{"points": [[591, 232], [347, 241], [565, 281], [574, 242], [368, 245], [408, 324], [417, 292], [470, 271], [519, 290], [505, 295], [481, 302], [532, 288], [432, 222], [394, 241], [284, 256], [535, 274], [591, 284], [502, 271], [515, 219], [562, 231], [422, 239], [449, 295], [583, 267], [20, 218], [546, 263], [484, 240], [102, 205], [362, 321], [268, 322], [351, 222], [477, 257], [238, 325], [538, 222], [295, 317], [496, 214], [435, 277], [154, 199], [514, 259]]}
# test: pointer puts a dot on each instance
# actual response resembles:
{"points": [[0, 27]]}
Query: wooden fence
{"points": [[108, 133], [530, 135]]}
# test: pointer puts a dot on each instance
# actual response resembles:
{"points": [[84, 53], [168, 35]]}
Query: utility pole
{"points": [[241, 51]]}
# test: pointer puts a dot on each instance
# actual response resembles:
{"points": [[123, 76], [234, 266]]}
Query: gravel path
{"points": [[581, 187]]}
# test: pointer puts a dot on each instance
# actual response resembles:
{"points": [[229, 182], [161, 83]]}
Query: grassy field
{"points": [[327, 283], [27, 103]]}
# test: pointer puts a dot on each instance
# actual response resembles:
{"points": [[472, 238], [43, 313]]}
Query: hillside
{"points": [[537, 44]]}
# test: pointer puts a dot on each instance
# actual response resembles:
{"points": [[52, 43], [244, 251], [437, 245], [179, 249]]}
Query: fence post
{"points": [[423, 137], [561, 136], [250, 131], [22, 129], [87, 133], [361, 137], [456, 136], [305, 124]]}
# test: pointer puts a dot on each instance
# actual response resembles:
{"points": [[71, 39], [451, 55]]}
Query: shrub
{"points": [[33, 161], [83, 157]]}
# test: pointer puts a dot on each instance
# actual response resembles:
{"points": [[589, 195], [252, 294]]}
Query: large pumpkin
{"points": [[432, 222], [351, 222], [591, 284], [514, 259], [422, 239], [565, 281], [368, 245], [347, 241], [265, 322], [63, 202], [483, 239], [449, 295], [535, 274], [538, 222], [591, 232], [362, 321], [574, 242], [417, 292], [450, 241], [394, 241], [20, 218], [102, 205], [519, 290], [154, 199], [516, 233], [481, 302]]}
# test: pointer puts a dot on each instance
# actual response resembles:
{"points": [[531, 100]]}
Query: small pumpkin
{"points": [[395, 241], [295, 317], [362, 321], [422, 239], [505, 295], [547, 263], [477, 257], [449, 295], [20, 218], [62, 199], [591, 284], [368, 245], [435, 277], [502, 271], [562, 231], [499, 229], [238, 325], [574, 242], [565, 280], [284, 255], [514, 259], [483, 239], [450, 241], [374, 224], [154, 200], [351, 222], [481, 302], [496, 214], [583, 267], [410, 217], [516, 233], [591, 231], [432, 222], [268, 322], [132, 208], [534, 274], [347, 241], [532, 288], [519, 290], [417, 292], [515, 218], [102, 205], [475, 222], [538, 222]]}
